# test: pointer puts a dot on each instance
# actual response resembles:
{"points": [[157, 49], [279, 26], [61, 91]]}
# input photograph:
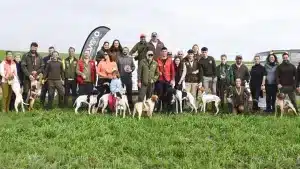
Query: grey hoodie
{"points": [[123, 63]]}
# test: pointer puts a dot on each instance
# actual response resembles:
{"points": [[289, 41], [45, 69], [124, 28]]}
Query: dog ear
{"points": [[154, 98]]}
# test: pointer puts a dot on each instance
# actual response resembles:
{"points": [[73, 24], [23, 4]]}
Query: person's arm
{"points": [[62, 72], [24, 66], [295, 76], [134, 49], [183, 73], [214, 67], [200, 74], [277, 72], [46, 72], [139, 72], [78, 72], [101, 72], [40, 69], [132, 65], [172, 71], [156, 75], [2, 73], [218, 73], [112, 87]]}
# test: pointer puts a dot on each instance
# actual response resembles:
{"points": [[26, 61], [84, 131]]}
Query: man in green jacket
{"points": [[147, 75], [224, 78], [140, 48]]}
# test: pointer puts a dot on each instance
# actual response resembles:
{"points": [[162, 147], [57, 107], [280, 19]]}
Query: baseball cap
{"points": [[154, 34], [142, 35]]}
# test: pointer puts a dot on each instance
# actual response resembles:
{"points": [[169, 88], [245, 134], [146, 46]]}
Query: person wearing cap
{"points": [[148, 74], [257, 74], [155, 45], [286, 77], [166, 76], [140, 48], [208, 65], [32, 65], [194, 74], [239, 70], [223, 78]]}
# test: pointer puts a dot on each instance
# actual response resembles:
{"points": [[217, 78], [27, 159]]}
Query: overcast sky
{"points": [[231, 27]]}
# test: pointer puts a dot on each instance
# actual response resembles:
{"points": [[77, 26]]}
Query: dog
{"points": [[179, 96], [90, 100], [34, 92], [16, 88], [208, 98], [122, 104], [145, 106], [283, 104]]}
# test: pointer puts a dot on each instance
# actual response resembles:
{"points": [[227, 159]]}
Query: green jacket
{"points": [[228, 73], [148, 72], [141, 49], [31, 63], [70, 68]]}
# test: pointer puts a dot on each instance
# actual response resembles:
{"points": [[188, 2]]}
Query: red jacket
{"points": [[92, 63], [167, 72]]}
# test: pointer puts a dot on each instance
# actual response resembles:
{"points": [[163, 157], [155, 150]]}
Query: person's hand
{"points": [[222, 76], [279, 86], [179, 82], [63, 82], [31, 77], [195, 72], [83, 76], [139, 84], [250, 99], [172, 82]]}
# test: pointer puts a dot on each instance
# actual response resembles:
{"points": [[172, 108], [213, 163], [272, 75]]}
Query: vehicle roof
{"points": [[279, 51]]}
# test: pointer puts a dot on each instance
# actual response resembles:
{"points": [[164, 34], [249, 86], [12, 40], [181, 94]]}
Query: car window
{"points": [[295, 57]]}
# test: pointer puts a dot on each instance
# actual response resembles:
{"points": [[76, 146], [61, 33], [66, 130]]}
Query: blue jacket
{"points": [[115, 86]]}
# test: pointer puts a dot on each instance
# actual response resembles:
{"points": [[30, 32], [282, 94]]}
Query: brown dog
{"points": [[283, 104], [146, 106]]}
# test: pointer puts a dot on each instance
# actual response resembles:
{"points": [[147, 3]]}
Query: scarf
{"points": [[8, 69]]}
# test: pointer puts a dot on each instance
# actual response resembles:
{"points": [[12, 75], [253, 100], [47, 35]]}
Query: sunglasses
{"points": [[150, 54], [180, 54]]}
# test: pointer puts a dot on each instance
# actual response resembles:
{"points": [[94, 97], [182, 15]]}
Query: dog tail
{"points": [[26, 104]]}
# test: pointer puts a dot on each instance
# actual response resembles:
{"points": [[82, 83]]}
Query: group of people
{"points": [[159, 72]]}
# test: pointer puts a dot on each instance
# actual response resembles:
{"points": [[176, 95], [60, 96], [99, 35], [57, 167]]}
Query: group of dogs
{"points": [[96, 101]]}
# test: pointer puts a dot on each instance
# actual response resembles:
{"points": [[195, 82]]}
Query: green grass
{"points": [[61, 139]]}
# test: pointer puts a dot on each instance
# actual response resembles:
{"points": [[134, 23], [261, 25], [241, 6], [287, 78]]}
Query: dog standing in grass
{"points": [[145, 106]]}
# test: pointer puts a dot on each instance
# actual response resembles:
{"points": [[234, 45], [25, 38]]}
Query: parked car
{"points": [[293, 53]]}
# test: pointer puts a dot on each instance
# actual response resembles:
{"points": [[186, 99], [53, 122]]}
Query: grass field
{"points": [[61, 139]]}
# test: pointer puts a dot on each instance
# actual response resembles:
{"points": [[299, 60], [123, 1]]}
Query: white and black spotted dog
{"points": [[178, 96]]}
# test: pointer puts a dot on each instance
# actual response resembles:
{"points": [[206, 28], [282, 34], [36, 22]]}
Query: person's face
{"points": [[106, 46], [71, 52], [154, 38], [51, 50], [180, 54], [18, 58], [204, 53], [272, 59], [238, 82], [238, 61], [55, 55], [114, 75], [86, 55], [143, 39], [116, 44], [191, 56], [195, 48], [164, 53], [9, 56], [285, 57], [125, 51], [256, 60], [177, 61], [150, 55], [223, 59], [33, 49], [106, 56]]}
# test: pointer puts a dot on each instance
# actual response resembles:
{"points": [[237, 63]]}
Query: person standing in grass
{"points": [[17, 60], [224, 76], [256, 73], [269, 82], [45, 86], [126, 67], [8, 72], [54, 74], [32, 65], [148, 74], [70, 64], [180, 72], [286, 77], [208, 65], [86, 74]]}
